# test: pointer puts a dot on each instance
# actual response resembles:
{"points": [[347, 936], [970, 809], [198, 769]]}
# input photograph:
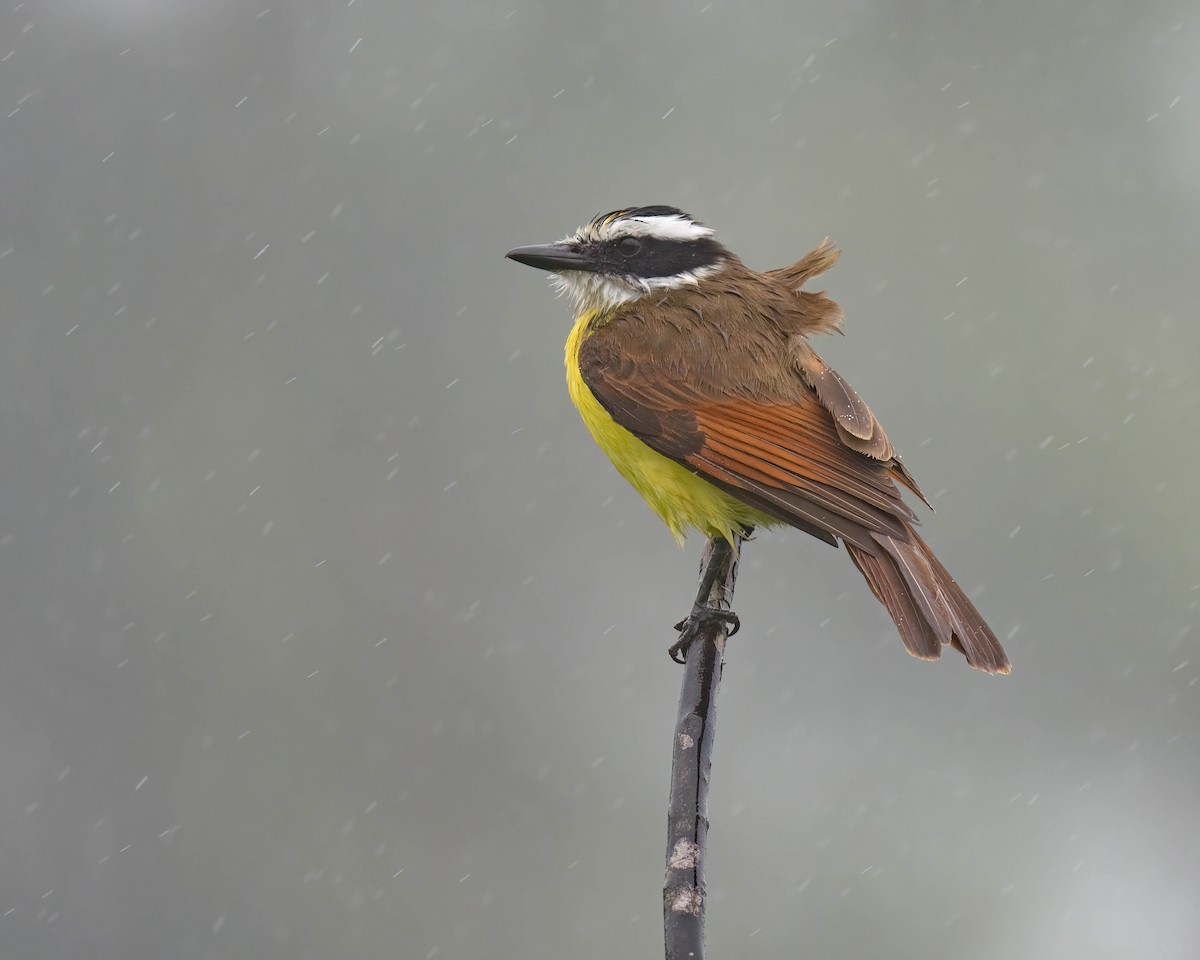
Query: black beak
{"points": [[555, 257]]}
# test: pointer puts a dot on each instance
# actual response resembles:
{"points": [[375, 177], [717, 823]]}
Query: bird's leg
{"points": [[702, 612]]}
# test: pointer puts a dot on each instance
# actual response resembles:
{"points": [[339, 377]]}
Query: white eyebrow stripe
{"points": [[659, 228]]}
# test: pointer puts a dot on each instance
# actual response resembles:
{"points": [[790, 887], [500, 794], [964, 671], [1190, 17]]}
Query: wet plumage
{"points": [[702, 388]]}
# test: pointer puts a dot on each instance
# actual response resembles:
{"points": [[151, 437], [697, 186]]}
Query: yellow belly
{"points": [[683, 500]]}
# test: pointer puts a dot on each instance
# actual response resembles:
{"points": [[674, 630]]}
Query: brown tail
{"points": [[929, 608]]}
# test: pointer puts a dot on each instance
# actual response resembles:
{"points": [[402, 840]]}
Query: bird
{"points": [[695, 375]]}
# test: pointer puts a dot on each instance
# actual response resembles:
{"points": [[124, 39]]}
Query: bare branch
{"points": [[684, 888]]}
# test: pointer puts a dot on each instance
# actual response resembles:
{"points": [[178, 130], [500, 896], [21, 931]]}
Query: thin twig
{"points": [[691, 762]]}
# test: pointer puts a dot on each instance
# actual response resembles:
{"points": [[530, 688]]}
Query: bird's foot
{"points": [[689, 628]]}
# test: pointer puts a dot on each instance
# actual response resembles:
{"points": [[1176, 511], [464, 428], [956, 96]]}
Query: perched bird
{"points": [[695, 376]]}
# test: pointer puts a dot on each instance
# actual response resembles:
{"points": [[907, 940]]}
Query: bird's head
{"points": [[621, 256]]}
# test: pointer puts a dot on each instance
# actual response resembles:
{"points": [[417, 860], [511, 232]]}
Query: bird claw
{"points": [[689, 629]]}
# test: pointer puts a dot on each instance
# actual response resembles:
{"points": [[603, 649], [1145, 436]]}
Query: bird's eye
{"points": [[629, 246]]}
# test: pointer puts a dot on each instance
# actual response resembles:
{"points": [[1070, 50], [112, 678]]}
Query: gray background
{"points": [[327, 632]]}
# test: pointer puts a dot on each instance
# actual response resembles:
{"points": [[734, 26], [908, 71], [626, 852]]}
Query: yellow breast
{"points": [[682, 499]]}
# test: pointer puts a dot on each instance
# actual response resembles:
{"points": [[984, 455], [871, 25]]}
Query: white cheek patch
{"points": [[689, 278], [597, 292]]}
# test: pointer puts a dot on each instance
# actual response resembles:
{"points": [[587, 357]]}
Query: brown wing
{"points": [[766, 436], [790, 457], [856, 425], [743, 401]]}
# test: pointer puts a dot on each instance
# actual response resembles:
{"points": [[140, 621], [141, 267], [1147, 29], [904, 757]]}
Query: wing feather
{"points": [[782, 452], [788, 506], [833, 499], [801, 436]]}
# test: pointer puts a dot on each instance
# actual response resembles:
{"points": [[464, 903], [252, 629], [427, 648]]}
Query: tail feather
{"points": [[929, 608], [915, 631]]}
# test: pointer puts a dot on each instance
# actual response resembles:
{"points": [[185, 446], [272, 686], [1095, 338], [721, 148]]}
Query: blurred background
{"points": [[326, 630]]}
